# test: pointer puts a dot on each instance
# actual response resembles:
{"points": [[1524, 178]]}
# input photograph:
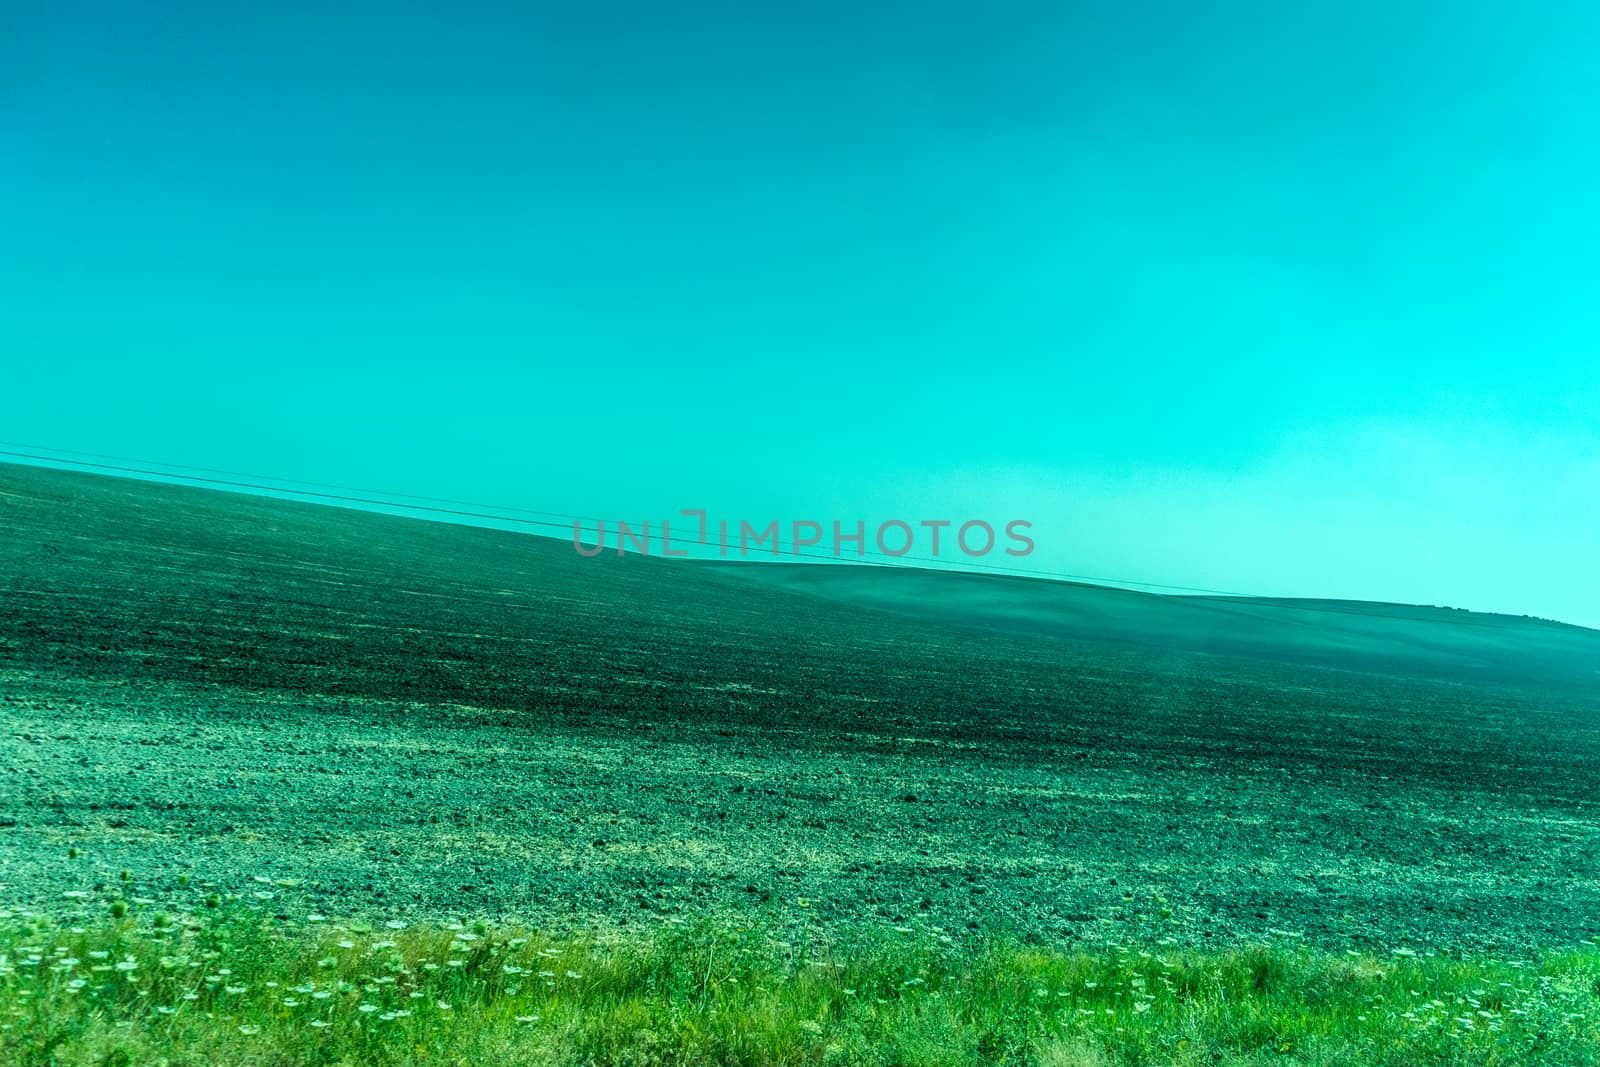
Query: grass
{"points": [[226, 982]]}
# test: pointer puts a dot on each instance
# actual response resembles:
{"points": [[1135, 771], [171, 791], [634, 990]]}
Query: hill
{"points": [[1349, 633], [410, 717]]}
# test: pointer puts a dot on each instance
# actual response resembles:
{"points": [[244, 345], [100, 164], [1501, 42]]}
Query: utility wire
{"points": [[373, 498], [378, 498], [288, 481]]}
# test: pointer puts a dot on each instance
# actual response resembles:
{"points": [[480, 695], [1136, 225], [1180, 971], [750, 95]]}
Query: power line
{"points": [[378, 498], [1232, 599], [288, 481], [374, 501]]}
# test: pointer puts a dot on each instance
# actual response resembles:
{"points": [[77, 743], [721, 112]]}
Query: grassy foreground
{"points": [[231, 984]]}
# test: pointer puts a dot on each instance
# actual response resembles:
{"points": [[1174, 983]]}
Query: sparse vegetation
{"points": [[237, 985], [739, 823]]}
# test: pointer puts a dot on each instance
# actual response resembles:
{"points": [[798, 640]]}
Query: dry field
{"points": [[407, 719]]}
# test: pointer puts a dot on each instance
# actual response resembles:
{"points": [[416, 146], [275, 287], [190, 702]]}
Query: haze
{"points": [[1290, 301]]}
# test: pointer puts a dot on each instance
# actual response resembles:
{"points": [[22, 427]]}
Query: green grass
{"points": [[228, 983]]}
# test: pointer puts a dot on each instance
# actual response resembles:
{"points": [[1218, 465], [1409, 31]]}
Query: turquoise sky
{"points": [[1292, 299]]}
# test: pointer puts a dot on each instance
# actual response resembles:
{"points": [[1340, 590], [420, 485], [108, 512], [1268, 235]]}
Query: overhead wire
{"points": [[497, 513]]}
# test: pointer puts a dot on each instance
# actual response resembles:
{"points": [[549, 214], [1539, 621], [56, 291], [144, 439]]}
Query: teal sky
{"points": [[1290, 299]]}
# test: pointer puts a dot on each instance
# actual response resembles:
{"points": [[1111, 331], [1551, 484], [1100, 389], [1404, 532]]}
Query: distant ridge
{"points": [[112, 523], [1350, 633]]}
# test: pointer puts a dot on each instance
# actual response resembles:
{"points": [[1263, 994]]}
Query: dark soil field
{"points": [[409, 718]]}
